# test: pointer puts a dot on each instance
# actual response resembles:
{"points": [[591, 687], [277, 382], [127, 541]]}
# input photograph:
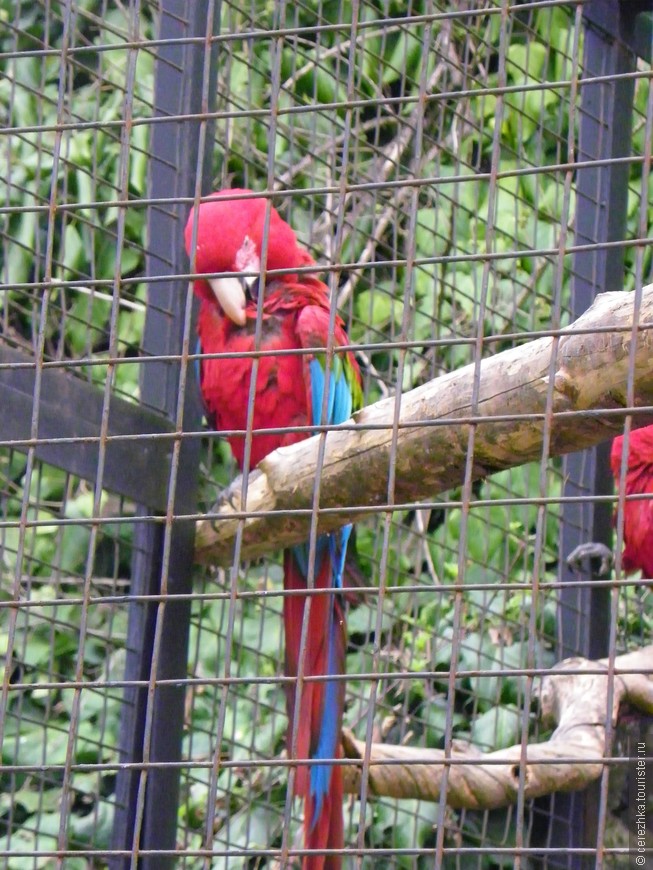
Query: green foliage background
{"points": [[408, 100]]}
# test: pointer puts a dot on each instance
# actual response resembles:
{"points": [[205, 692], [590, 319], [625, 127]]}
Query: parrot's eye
{"points": [[252, 287]]}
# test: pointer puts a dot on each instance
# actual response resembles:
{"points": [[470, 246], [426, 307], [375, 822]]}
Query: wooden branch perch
{"points": [[576, 702], [591, 372]]}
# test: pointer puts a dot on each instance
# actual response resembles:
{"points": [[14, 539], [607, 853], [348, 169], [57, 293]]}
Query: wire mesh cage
{"points": [[468, 177]]}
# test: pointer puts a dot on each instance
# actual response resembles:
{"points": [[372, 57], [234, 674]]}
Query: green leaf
{"points": [[94, 828], [404, 57], [433, 229], [378, 308], [498, 728], [435, 717]]}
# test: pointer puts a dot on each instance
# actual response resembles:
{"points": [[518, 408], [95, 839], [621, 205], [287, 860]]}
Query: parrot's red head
{"points": [[230, 239]]}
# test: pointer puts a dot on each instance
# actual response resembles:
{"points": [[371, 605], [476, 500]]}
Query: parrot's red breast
{"points": [[280, 399]]}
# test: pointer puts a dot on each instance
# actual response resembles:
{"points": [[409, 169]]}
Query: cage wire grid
{"points": [[468, 177]]}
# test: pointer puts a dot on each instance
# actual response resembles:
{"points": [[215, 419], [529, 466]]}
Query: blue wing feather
{"points": [[342, 399], [339, 402]]}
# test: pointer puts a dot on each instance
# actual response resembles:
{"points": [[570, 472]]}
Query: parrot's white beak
{"points": [[231, 297]]}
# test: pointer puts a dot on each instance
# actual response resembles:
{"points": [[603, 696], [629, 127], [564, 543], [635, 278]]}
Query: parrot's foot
{"points": [[591, 550]]}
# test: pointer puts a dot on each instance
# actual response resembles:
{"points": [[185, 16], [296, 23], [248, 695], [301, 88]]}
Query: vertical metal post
{"points": [[602, 193], [601, 212], [179, 91]]}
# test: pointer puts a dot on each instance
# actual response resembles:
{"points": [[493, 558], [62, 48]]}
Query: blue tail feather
{"points": [[328, 738], [338, 542], [301, 553]]}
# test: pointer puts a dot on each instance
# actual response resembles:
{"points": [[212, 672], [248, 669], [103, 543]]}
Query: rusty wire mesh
{"points": [[425, 154]]}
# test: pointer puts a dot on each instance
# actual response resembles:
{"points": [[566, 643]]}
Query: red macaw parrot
{"points": [[289, 392], [638, 514]]}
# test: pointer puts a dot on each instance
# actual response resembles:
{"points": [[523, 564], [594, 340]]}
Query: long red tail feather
{"points": [[326, 830]]}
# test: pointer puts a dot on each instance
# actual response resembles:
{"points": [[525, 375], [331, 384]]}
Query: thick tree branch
{"points": [[591, 367], [576, 702]]}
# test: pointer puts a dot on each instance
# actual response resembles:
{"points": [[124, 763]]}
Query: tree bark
{"points": [[571, 697], [558, 382]]}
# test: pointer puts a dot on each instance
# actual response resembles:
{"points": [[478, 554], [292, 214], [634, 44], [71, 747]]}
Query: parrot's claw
{"points": [[226, 498], [232, 500], [591, 550]]}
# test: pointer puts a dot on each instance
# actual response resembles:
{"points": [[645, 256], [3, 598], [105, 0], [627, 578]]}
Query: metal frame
{"points": [[605, 134], [61, 437]]}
